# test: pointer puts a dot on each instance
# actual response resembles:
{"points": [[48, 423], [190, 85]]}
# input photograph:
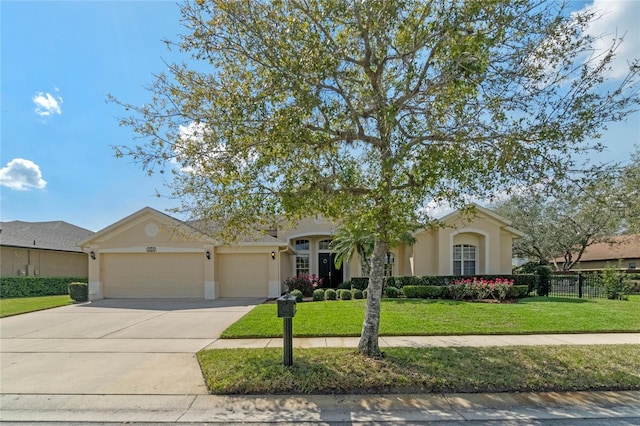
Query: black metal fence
{"points": [[576, 285]]}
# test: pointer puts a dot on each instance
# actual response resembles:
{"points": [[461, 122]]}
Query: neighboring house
{"points": [[45, 249], [152, 255], [622, 251]]}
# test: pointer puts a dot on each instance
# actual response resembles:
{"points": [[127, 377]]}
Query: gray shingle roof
{"points": [[56, 235]]}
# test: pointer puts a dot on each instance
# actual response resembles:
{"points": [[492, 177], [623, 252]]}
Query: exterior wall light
{"points": [[208, 254], [273, 255], [92, 254]]}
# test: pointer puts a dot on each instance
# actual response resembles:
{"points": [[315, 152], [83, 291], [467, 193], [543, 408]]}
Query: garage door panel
{"points": [[243, 275], [153, 275]]}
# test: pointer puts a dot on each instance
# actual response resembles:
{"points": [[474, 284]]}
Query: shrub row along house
{"points": [[152, 255]]}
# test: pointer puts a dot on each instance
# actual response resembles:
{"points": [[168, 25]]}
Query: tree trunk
{"points": [[369, 338]]}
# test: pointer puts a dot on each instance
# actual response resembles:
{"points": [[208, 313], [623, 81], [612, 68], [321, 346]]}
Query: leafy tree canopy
{"points": [[364, 111]]}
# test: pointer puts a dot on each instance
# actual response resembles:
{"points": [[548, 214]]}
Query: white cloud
{"points": [[47, 104], [619, 18], [22, 174]]}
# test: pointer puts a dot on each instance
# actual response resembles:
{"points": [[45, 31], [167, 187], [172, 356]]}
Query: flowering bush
{"points": [[479, 288], [305, 283]]}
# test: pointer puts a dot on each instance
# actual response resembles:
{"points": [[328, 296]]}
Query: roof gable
{"points": [[486, 213], [54, 235]]}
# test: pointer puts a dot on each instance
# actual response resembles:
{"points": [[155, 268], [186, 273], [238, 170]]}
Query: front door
{"points": [[331, 276]]}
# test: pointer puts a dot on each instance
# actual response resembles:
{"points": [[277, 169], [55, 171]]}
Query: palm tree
{"points": [[350, 239]]}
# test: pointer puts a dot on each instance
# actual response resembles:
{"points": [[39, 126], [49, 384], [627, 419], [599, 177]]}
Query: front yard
{"points": [[407, 317], [23, 305], [423, 370], [433, 370]]}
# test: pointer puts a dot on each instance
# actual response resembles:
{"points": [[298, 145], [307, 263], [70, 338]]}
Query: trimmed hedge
{"points": [[79, 292], [360, 282], [530, 280], [518, 292], [318, 295], [436, 291], [13, 287], [344, 294], [423, 291], [330, 294], [297, 294]]}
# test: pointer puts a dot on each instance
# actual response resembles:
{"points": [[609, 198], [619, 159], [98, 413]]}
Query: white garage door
{"points": [[243, 275], [153, 275]]}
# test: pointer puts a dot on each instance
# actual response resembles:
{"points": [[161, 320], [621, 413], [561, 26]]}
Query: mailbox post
{"points": [[286, 311]]}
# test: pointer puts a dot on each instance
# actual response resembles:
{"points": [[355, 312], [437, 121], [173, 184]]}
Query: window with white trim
{"points": [[302, 258], [302, 264], [464, 259]]}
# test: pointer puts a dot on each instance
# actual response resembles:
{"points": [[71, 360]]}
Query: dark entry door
{"points": [[331, 276]]}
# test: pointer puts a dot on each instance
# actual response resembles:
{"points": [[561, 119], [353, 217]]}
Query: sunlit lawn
{"points": [[423, 370], [23, 305], [443, 317]]}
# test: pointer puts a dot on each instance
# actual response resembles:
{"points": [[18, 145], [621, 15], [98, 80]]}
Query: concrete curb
{"points": [[319, 409]]}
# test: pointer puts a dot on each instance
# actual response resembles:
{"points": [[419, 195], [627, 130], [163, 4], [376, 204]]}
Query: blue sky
{"points": [[60, 60]]}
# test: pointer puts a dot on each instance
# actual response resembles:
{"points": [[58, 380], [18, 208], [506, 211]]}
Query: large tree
{"points": [[560, 226], [363, 111]]}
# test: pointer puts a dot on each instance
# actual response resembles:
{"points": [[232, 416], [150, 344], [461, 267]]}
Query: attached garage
{"points": [[151, 255], [243, 275], [153, 275]]}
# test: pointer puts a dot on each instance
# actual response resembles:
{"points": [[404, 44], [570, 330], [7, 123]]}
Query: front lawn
{"points": [[23, 305], [423, 370], [407, 317]]}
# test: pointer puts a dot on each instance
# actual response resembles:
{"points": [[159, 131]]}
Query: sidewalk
{"points": [[438, 341], [511, 408], [522, 408]]}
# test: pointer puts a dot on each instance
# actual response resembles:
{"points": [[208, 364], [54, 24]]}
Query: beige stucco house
{"points": [[152, 255], [42, 249], [621, 251]]}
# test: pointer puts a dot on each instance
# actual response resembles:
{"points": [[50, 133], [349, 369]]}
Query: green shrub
{"points": [[543, 274], [330, 294], [79, 292], [423, 291], [13, 287], [360, 282], [305, 283], [391, 292], [357, 294], [518, 292], [400, 282], [365, 292], [344, 285], [614, 283], [318, 295], [297, 294], [389, 282], [345, 294]]}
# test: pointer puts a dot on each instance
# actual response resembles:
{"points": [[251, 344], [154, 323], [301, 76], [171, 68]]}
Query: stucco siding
{"points": [[153, 275], [243, 274], [16, 261]]}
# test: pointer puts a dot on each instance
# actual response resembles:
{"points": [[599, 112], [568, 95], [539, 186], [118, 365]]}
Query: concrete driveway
{"points": [[114, 346]]}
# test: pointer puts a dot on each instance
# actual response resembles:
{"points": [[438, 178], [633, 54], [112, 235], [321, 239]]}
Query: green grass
{"points": [[406, 317], [23, 305], [423, 370]]}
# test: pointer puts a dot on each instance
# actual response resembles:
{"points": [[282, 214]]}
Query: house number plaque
{"points": [[151, 249]]}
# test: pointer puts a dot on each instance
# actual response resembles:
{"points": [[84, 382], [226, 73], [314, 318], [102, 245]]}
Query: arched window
{"points": [[464, 259]]}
